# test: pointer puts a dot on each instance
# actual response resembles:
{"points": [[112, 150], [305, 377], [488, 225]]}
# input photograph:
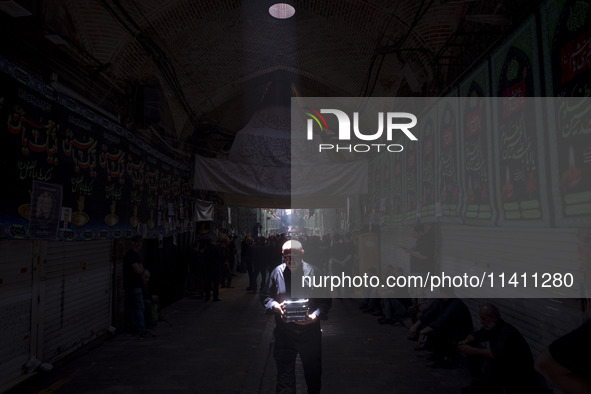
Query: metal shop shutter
{"points": [[541, 320], [16, 280], [76, 296]]}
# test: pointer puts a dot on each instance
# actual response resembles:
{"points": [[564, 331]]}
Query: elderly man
{"points": [[293, 337], [506, 365]]}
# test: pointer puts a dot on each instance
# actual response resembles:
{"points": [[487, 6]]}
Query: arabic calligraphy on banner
{"points": [[110, 185], [476, 151], [428, 173], [566, 26], [411, 178], [398, 182], [449, 181], [521, 189]]}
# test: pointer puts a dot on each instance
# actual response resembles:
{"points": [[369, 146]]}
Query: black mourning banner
{"points": [[109, 180]]}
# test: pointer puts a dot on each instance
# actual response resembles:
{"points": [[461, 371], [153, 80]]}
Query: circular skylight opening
{"points": [[281, 11]]}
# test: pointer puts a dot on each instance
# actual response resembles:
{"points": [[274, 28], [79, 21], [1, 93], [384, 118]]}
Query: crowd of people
{"points": [[496, 355], [216, 259], [494, 352]]}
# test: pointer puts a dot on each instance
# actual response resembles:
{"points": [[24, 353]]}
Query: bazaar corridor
{"points": [[224, 347]]}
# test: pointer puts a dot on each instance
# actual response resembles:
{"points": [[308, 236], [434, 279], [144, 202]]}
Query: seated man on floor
{"points": [[394, 301], [422, 318], [453, 323], [506, 365]]}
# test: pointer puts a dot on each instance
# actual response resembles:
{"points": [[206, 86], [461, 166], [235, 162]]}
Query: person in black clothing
{"points": [[452, 324], [394, 302], [134, 278], [247, 260], [213, 266], [506, 365], [567, 361], [291, 338], [340, 255], [224, 250], [261, 257], [423, 319], [422, 254], [196, 263]]}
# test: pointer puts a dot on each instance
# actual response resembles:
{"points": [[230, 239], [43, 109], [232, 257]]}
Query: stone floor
{"points": [[224, 347]]}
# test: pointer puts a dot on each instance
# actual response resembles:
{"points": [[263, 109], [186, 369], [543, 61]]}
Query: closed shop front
{"points": [[16, 277], [76, 292]]}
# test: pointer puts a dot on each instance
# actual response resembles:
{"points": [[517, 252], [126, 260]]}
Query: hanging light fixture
{"points": [[281, 11]]}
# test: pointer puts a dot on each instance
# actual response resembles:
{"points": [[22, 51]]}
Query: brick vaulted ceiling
{"points": [[215, 62]]}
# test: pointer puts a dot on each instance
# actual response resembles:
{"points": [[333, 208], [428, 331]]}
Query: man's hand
{"points": [[413, 329], [426, 330], [467, 349], [309, 319], [475, 351], [469, 339], [280, 308]]}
